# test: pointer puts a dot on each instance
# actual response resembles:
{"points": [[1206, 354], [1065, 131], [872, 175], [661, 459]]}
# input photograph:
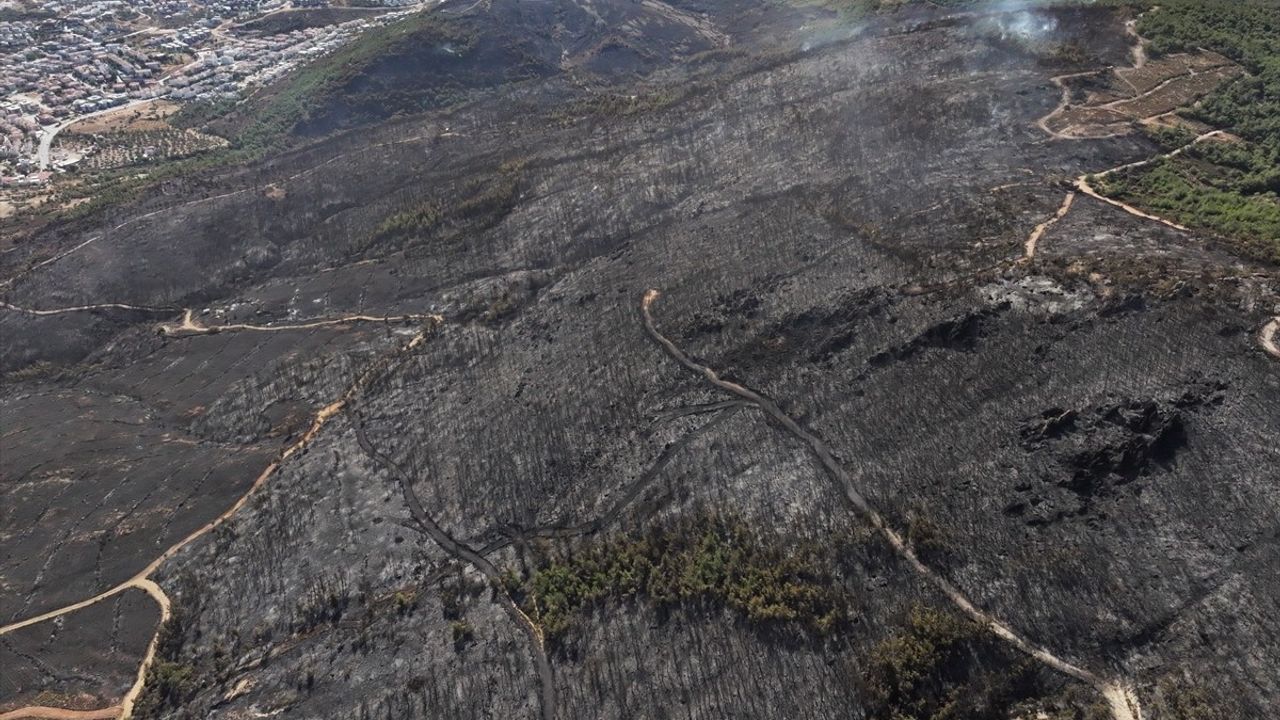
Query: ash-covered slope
{"points": [[430, 60], [501, 495]]}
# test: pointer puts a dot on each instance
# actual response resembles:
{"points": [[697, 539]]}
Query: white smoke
{"points": [[1021, 21], [1026, 25]]}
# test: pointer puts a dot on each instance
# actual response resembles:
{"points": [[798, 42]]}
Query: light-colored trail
{"points": [[1083, 183], [125, 708], [1060, 81], [85, 308], [1033, 240], [1120, 697], [142, 580], [189, 326], [1267, 337], [1079, 132], [1138, 53], [52, 713]]}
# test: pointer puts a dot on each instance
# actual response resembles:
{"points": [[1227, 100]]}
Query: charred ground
{"points": [[526, 506]]}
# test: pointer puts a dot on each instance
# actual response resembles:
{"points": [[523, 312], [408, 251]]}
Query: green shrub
{"points": [[1194, 192], [710, 561], [169, 683], [1226, 188], [1248, 32], [462, 633], [484, 203]]}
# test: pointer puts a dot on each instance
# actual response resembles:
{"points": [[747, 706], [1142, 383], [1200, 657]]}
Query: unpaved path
{"points": [[1033, 240], [142, 580], [1267, 337], [1138, 53], [189, 326], [40, 711], [1082, 131], [1064, 103], [1120, 697], [1084, 185], [85, 308]]}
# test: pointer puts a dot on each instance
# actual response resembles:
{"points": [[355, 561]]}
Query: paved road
{"points": [[51, 132]]}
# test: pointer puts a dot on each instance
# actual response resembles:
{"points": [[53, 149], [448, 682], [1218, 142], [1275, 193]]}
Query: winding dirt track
{"points": [[1120, 697], [1060, 81], [85, 308], [1139, 51], [142, 580], [1267, 337], [1122, 127], [189, 326], [52, 713], [1033, 240], [1083, 185]]}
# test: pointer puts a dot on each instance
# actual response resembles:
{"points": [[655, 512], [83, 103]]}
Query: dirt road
{"points": [[1120, 697], [1267, 337], [1083, 183], [52, 713], [142, 580], [189, 326], [1063, 104], [1123, 125], [86, 308], [1033, 240]]}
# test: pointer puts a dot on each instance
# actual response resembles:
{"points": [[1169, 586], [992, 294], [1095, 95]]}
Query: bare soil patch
{"points": [[151, 116], [1106, 104]]}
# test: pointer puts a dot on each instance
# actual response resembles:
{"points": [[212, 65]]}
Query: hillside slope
{"points": [[808, 377]]}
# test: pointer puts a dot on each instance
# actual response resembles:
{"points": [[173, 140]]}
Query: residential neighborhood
{"points": [[64, 60]]}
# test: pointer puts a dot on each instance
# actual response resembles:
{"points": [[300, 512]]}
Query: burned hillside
{"points": [[728, 385]]}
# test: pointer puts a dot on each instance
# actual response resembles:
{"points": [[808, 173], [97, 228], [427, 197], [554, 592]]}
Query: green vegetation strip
{"points": [[1248, 32], [277, 110], [484, 203], [1196, 192], [935, 664], [713, 561], [1228, 189]]}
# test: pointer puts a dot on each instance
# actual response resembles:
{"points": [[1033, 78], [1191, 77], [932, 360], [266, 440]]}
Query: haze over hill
{"points": [[666, 359]]}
